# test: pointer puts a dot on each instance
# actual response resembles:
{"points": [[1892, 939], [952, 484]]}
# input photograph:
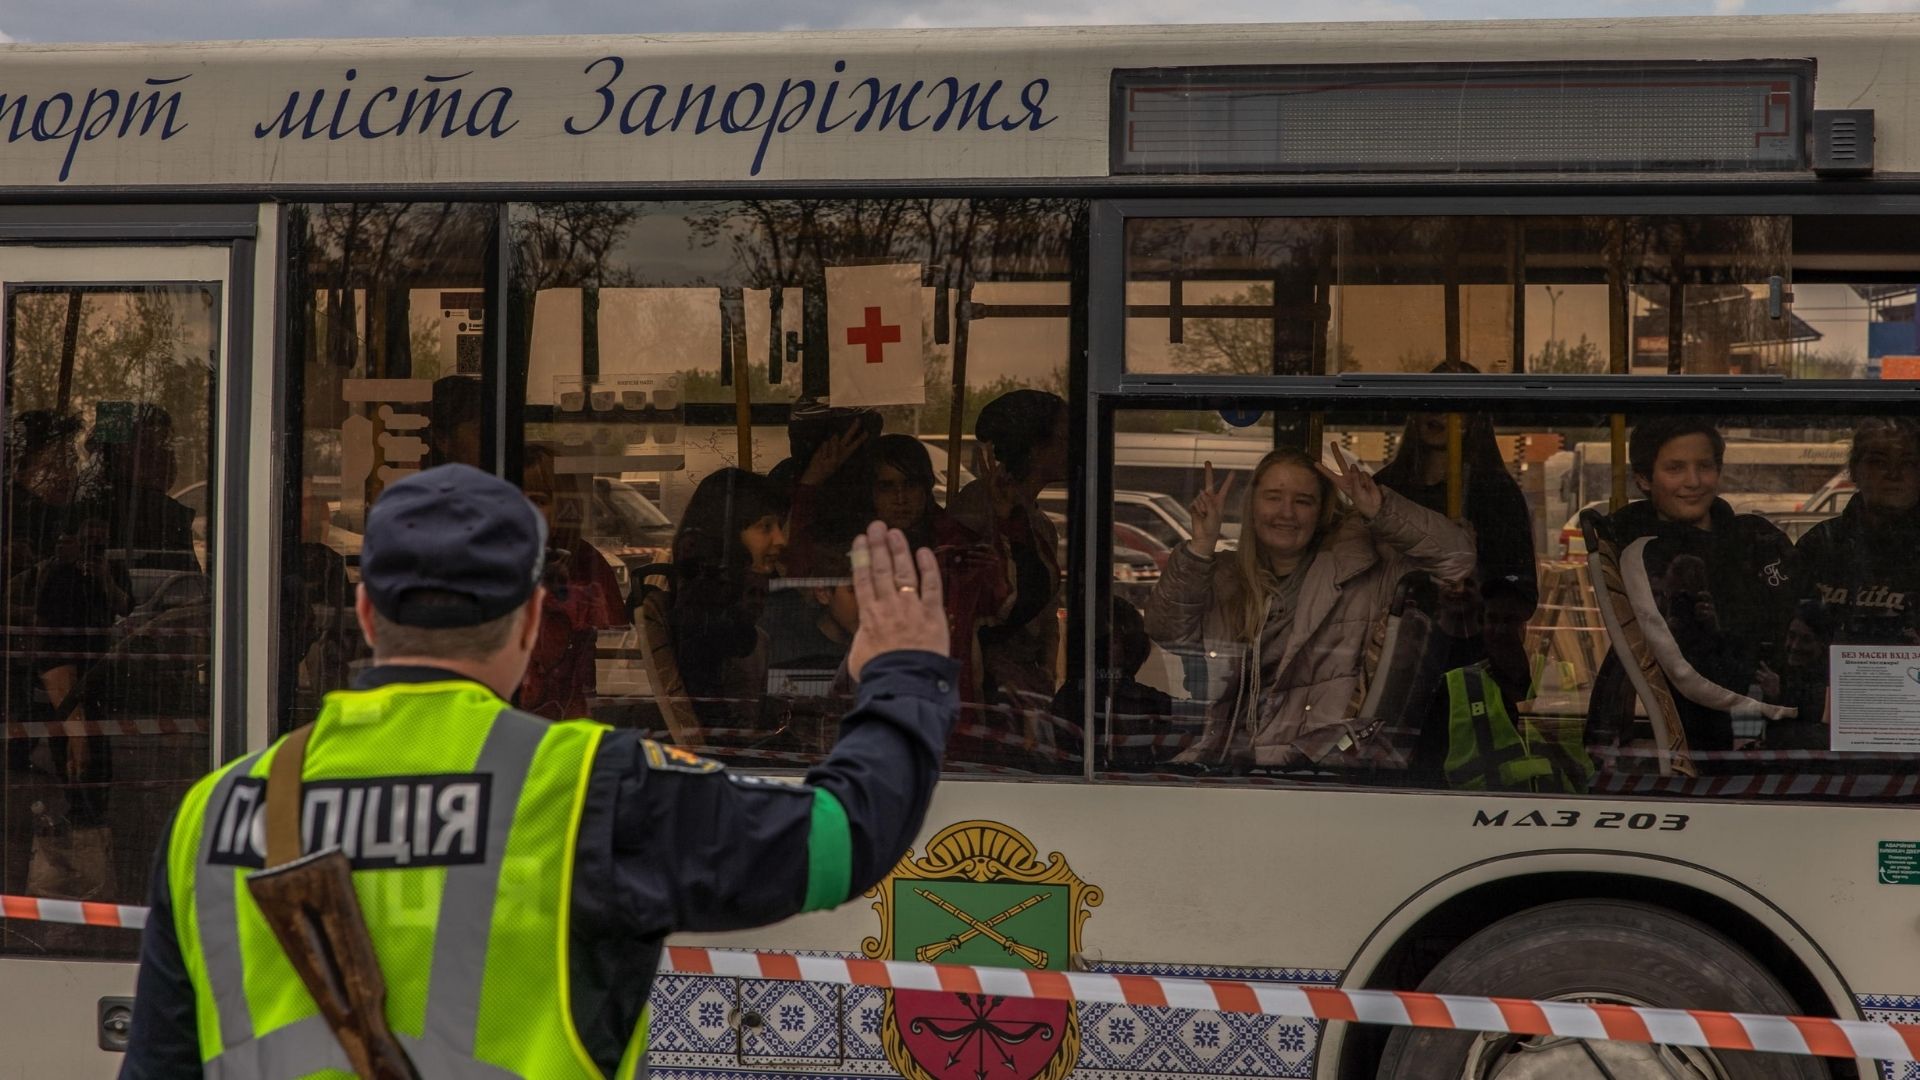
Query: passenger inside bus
{"points": [[583, 598], [1721, 580], [810, 627], [130, 470], [318, 639], [454, 419], [1284, 620], [730, 540], [1863, 567], [1135, 713], [976, 573], [1023, 440], [1481, 619]]}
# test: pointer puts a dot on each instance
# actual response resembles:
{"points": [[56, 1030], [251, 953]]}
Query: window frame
{"points": [[1112, 389]]}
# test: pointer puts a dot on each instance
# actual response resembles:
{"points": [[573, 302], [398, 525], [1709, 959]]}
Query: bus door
{"points": [[110, 362]]}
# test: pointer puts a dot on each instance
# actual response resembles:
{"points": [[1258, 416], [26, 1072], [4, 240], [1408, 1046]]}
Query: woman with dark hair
{"points": [[1287, 615], [1482, 619], [976, 573], [1022, 437], [730, 535], [1490, 498]]}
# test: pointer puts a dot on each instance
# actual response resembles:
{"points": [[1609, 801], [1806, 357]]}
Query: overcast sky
{"points": [[177, 20]]}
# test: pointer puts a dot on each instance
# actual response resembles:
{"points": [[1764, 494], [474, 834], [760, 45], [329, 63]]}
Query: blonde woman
{"points": [[1285, 618]]}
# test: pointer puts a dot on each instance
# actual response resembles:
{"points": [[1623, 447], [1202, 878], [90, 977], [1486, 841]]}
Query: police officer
{"points": [[518, 876]]}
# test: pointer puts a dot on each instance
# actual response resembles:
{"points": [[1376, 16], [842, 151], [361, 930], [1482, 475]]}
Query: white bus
{"points": [[247, 284]]}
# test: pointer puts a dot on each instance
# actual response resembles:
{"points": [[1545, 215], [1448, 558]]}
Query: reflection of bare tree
{"points": [[364, 258], [570, 244], [73, 349]]}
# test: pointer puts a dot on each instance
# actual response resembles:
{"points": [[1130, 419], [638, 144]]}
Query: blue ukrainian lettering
{"points": [[784, 119], [1037, 117], [83, 116], [651, 124], [826, 105], [729, 122], [698, 108], [572, 125], [433, 110], [893, 109], [688, 96]]}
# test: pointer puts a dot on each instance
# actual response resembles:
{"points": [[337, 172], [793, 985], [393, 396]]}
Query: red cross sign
{"points": [[875, 335]]}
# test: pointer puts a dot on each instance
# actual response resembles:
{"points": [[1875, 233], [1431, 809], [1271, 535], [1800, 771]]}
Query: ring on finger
{"points": [[908, 588]]}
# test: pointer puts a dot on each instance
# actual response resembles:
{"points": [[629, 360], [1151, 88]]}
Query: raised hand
{"points": [[1209, 510], [1358, 486], [899, 595], [832, 454]]}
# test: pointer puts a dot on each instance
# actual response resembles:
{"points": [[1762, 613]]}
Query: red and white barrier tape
{"points": [[77, 912], [1802, 1035]]}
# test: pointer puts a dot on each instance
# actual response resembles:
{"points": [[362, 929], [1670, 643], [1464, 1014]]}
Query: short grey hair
{"points": [[477, 642]]}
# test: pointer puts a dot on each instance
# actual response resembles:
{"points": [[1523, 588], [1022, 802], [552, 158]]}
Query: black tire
{"points": [[1611, 949]]}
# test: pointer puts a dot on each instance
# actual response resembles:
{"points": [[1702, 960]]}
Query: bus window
{"points": [[717, 395], [1686, 647], [1411, 295], [388, 358], [109, 601]]}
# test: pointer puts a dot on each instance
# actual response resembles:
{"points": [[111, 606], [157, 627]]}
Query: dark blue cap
{"points": [[451, 546]]}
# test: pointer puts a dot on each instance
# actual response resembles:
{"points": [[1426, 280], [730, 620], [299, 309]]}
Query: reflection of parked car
{"points": [[1134, 570], [1158, 516], [1833, 496], [627, 528]]}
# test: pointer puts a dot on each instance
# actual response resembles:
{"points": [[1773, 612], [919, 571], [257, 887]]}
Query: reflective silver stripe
{"points": [[307, 1046], [302, 1047], [466, 900], [436, 1062], [213, 905]]}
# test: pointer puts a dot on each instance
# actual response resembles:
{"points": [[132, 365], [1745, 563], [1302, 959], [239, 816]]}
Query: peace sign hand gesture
{"points": [[1209, 509], [1357, 485]]}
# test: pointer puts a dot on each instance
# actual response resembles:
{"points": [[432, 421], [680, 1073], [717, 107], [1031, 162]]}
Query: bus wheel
{"points": [[1604, 951]]}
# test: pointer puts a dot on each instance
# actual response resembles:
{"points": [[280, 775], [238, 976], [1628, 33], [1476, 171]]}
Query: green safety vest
{"points": [[1487, 751], [460, 814]]}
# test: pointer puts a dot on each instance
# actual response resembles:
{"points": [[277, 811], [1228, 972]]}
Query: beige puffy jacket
{"points": [[1310, 669]]}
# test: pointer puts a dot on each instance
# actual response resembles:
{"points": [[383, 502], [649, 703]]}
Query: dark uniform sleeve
{"points": [[689, 845], [165, 1041], [670, 841]]}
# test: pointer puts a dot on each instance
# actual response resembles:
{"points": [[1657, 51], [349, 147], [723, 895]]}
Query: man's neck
{"points": [[481, 672]]}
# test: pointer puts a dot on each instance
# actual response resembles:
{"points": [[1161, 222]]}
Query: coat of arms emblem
{"points": [[980, 895]]}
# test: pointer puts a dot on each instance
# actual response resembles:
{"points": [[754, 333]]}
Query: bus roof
{"points": [[828, 107]]}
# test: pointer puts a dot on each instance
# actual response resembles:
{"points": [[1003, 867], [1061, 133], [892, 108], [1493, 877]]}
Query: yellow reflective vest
{"points": [[460, 816], [1487, 751]]}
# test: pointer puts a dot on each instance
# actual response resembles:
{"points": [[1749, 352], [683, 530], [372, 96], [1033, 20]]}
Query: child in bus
{"points": [[1676, 463], [1863, 567], [1023, 449], [724, 554], [1292, 608]]}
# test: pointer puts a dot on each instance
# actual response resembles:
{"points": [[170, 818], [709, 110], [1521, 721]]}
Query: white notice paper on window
{"points": [[1876, 697]]}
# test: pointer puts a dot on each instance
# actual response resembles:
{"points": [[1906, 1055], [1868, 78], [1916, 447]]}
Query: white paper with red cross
{"points": [[874, 335]]}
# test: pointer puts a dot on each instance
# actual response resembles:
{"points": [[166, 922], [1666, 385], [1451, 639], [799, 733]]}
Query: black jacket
{"points": [[1865, 578], [1745, 565], [662, 848]]}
